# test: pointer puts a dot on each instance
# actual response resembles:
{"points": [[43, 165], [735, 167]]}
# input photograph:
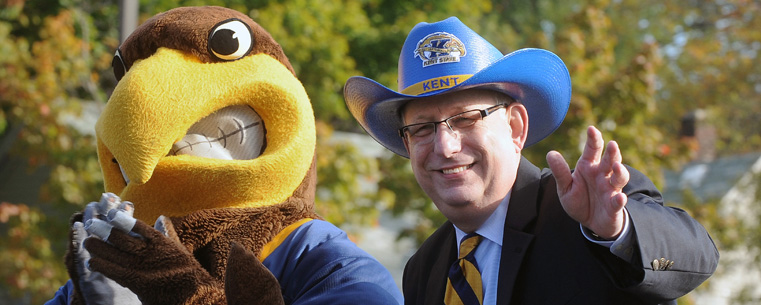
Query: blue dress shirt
{"points": [[489, 251]]}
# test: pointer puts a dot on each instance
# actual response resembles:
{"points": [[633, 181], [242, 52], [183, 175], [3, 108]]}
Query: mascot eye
{"points": [[118, 65], [230, 40]]}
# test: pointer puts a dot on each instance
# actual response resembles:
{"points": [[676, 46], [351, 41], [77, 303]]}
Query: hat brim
{"points": [[537, 78]]}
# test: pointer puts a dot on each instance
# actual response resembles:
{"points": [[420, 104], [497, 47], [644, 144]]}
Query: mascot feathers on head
{"points": [[209, 131]]}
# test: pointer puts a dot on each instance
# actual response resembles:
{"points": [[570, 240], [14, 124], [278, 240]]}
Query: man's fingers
{"points": [[614, 152], [620, 200], [611, 156], [620, 176], [560, 170], [593, 147]]}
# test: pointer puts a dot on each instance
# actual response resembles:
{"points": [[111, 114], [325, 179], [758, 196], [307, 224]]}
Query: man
{"points": [[597, 235]]}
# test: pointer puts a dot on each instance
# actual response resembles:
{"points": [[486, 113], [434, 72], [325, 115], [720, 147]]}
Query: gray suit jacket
{"points": [[546, 259]]}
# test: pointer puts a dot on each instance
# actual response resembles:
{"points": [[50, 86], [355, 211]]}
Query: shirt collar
{"points": [[494, 226]]}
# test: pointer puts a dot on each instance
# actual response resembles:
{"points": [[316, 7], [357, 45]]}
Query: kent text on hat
{"points": [[447, 56]]}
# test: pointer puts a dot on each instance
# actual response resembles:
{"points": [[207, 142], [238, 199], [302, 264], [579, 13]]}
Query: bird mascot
{"points": [[209, 136]]}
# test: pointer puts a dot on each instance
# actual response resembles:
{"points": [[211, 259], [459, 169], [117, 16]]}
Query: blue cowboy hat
{"points": [[447, 56]]}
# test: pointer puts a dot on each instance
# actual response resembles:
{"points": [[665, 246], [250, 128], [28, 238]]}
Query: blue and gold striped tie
{"points": [[464, 283]]}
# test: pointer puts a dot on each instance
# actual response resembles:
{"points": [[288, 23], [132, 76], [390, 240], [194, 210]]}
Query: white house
{"points": [[733, 182]]}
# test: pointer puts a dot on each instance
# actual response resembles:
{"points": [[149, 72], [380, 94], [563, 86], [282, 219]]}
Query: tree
{"points": [[49, 70], [31, 268], [712, 59]]}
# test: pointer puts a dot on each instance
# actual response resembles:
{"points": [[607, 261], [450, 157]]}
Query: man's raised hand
{"points": [[592, 193]]}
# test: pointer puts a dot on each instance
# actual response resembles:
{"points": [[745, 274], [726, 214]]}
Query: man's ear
{"points": [[406, 145], [518, 120]]}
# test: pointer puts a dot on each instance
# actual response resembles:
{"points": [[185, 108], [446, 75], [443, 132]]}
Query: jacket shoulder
{"points": [[425, 273]]}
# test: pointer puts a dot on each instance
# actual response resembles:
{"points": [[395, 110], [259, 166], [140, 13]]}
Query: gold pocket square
{"points": [[662, 264]]}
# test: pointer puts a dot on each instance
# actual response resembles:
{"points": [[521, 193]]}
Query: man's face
{"points": [[466, 172]]}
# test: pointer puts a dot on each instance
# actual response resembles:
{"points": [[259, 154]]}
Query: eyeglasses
{"points": [[421, 133]]}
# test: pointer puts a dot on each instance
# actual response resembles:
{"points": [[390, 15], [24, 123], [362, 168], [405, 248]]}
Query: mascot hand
{"points": [[248, 281], [152, 263], [95, 288]]}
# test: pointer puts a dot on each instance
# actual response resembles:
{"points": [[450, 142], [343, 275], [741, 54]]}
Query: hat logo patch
{"points": [[439, 48]]}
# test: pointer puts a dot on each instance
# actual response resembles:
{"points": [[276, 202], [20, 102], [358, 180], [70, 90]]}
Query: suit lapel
{"points": [[440, 272], [515, 242]]}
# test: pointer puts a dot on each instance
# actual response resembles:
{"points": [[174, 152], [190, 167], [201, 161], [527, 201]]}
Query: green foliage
{"points": [[30, 268], [45, 82], [346, 188], [52, 64], [315, 35], [713, 59]]}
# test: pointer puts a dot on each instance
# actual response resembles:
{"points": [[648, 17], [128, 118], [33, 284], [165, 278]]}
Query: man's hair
{"points": [[503, 98]]}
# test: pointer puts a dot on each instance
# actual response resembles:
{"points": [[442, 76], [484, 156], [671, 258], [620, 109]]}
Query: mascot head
{"points": [[207, 113]]}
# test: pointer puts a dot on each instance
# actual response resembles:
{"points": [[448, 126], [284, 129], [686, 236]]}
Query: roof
{"points": [[708, 180]]}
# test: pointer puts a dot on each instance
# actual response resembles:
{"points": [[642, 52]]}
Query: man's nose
{"points": [[446, 141]]}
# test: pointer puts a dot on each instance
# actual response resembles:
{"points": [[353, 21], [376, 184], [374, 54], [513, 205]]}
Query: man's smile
{"points": [[454, 170]]}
